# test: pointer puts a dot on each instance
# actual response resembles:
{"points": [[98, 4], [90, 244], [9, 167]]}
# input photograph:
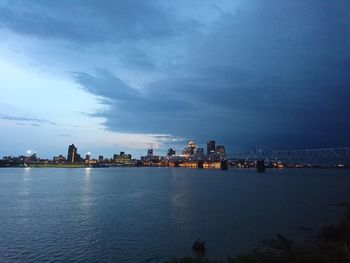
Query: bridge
{"points": [[315, 156]]}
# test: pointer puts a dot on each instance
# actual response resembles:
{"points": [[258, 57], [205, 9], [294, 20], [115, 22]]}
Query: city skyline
{"points": [[127, 76], [74, 154], [192, 156]]}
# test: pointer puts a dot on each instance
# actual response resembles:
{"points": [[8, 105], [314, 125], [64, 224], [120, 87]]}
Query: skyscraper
{"points": [[220, 149], [210, 147], [150, 152], [199, 154], [72, 154], [191, 147], [200, 151]]}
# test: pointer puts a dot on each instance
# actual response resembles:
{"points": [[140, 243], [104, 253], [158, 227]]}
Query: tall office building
{"points": [[191, 147], [210, 147], [200, 151], [220, 149], [199, 154], [72, 154]]}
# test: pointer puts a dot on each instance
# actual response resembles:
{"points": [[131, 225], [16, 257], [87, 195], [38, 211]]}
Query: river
{"points": [[144, 214]]}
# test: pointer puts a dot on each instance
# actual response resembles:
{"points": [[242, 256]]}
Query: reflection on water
{"points": [[86, 191], [25, 189], [26, 173], [181, 205]]}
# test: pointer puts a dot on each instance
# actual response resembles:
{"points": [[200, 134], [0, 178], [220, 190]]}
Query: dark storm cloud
{"points": [[89, 21], [129, 109], [274, 73]]}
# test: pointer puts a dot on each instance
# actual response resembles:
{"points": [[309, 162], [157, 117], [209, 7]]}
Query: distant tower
{"points": [[191, 147], [199, 154], [210, 147], [200, 151], [72, 154], [150, 152], [220, 149]]}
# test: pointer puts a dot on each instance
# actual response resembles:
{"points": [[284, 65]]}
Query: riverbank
{"points": [[83, 165], [331, 244]]}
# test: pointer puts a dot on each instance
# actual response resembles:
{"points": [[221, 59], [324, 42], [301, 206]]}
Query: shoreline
{"points": [[146, 166], [329, 244]]}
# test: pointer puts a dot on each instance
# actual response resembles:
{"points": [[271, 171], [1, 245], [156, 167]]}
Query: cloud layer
{"points": [[271, 73]]}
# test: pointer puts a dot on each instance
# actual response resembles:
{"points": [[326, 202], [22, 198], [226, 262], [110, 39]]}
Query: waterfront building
{"points": [[123, 159], [100, 158], [210, 147], [214, 156], [150, 157], [186, 152], [72, 154], [59, 159], [32, 158]]}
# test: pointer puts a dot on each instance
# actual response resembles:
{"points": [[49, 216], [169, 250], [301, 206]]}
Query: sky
{"points": [[113, 76]]}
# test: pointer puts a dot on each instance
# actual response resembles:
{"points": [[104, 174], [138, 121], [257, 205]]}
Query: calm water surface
{"points": [[136, 214]]}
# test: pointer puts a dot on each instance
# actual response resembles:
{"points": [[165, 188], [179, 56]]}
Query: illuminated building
{"points": [[150, 157], [210, 147], [123, 159], [186, 152], [191, 147], [72, 154]]}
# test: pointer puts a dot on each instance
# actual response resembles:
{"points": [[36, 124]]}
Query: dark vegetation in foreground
{"points": [[330, 245]]}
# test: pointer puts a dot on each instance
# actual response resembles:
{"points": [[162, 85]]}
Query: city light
{"points": [[192, 156]]}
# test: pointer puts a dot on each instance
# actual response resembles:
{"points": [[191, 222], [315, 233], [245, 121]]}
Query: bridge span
{"points": [[339, 155]]}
